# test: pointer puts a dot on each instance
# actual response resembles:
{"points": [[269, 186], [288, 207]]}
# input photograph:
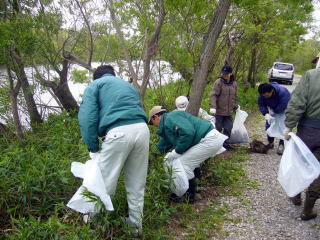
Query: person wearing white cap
{"points": [[191, 139], [182, 104]]}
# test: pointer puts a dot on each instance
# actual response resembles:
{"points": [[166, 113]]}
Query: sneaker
{"points": [[280, 149]]}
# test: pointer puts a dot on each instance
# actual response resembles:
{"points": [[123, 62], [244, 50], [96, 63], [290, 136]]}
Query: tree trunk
{"points": [[14, 91], [35, 117], [151, 50], [208, 46], [252, 69]]}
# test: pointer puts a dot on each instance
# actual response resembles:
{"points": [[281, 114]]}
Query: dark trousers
{"points": [[310, 136], [224, 125], [271, 139]]}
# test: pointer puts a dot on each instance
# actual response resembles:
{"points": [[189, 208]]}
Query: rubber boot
{"points": [[308, 213], [280, 148], [296, 200], [191, 192], [270, 142], [197, 173]]}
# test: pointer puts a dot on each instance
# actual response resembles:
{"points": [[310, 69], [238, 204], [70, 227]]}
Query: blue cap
{"points": [[226, 70]]}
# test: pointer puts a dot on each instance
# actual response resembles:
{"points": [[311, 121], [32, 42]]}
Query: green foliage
{"points": [[37, 183], [80, 76]]}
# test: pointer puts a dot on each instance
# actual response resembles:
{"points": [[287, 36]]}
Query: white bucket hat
{"points": [[182, 103]]}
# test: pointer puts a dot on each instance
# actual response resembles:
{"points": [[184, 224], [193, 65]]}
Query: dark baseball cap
{"points": [[226, 70]]}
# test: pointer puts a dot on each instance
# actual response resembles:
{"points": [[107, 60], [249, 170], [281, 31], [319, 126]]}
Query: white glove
{"points": [[271, 111], [268, 117], [286, 133], [172, 155], [213, 110], [94, 156]]}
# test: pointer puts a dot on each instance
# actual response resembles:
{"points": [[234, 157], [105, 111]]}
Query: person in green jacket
{"points": [[304, 110], [192, 139], [111, 109]]}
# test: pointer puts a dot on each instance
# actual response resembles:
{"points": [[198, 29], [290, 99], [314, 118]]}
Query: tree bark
{"points": [[61, 90], [72, 58], [151, 50], [208, 46], [14, 91], [35, 117]]}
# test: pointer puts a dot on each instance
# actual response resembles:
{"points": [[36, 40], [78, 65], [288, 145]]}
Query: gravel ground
{"points": [[266, 212]]}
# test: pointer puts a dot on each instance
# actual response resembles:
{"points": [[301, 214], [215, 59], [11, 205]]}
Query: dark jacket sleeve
{"points": [[184, 133], [284, 97], [163, 146], [263, 108], [89, 118]]}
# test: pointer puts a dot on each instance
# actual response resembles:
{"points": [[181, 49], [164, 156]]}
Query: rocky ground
{"points": [[265, 212]]}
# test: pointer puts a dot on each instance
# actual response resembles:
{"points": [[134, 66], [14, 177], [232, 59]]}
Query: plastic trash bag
{"points": [[93, 182], [180, 181], [204, 115], [277, 126], [239, 133], [298, 167]]}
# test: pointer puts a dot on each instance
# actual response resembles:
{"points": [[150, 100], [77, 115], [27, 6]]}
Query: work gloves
{"points": [[213, 110], [286, 133], [271, 112], [172, 155], [236, 108], [268, 118]]}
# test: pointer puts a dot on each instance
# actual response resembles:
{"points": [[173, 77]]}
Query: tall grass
{"points": [[36, 182]]}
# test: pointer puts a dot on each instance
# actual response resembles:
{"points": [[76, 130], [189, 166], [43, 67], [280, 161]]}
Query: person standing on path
{"points": [[192, 139], [273, 99], [111, 109], [223, 101], [304, 110]]}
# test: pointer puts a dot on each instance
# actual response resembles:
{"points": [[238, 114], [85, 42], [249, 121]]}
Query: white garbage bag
{"points": [[277, 126], [239, 133], [298, 167], [180, 181], [93, 182], [204, 115]]}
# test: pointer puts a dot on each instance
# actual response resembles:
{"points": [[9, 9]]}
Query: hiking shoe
{"points": [[308, 216], [280, 149]]}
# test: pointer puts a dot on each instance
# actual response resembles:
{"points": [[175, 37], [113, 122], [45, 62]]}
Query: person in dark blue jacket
{"points": [[273, 99]]}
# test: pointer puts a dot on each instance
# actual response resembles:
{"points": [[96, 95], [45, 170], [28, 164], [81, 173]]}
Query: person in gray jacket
{"points": [[304, 110], [223, 101]]}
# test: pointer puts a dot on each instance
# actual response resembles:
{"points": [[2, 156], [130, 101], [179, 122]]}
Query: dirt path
{"points": [[265, 212]]}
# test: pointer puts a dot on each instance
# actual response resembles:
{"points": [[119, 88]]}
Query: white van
{"points": [[281, 72]]}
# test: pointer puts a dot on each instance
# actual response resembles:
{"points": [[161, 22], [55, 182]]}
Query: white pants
{"points": [[127, 146], [206, 148]]}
